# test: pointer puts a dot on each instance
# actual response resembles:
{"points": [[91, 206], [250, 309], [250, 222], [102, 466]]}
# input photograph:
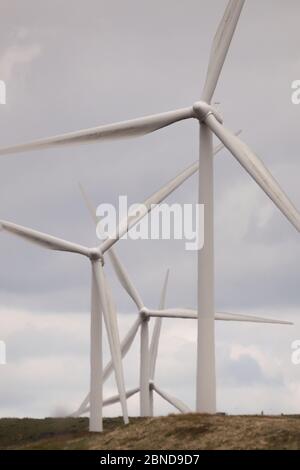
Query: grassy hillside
{"points": [[190, 432]]}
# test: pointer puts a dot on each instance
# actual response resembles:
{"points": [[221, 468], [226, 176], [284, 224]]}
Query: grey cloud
{"points": [[246, 371]]}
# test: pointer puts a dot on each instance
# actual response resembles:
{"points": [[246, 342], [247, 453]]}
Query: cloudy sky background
{"points": [[74, 64]]}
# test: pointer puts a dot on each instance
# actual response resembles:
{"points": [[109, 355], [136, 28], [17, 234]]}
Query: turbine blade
{"points": [[132, 128], [162, 302], [173, 313], [116, 398], [112, 333], [220, 147], [82, 408], [221, 46], [109, 401], [42, 239], [117, 343], [154, 346], [248, 318], [125, 346], [256, 169], [119, 268], [193, 315], [173, 401], [91, 209], [157, 329], [124, 279]]}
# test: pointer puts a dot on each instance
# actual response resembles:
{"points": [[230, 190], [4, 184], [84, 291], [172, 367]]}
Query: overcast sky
{"points": [[76, 64]]}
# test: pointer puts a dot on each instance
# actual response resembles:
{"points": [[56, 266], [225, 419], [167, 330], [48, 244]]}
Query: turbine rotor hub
{"points": [[202, 110], [144, 313], [96, 255]]}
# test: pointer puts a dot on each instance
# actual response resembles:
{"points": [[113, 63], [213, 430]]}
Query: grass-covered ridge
{"points": [[189, 432]]}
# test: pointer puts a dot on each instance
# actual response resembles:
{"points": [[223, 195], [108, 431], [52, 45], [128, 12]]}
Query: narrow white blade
{"points": [[91, 209], [109, 401], [178, 404], [248, 318], [193, 315], [220, 147], [221, 46], [115, 260], [132, 128], [125, 347], [116, 398], [42, 239], [157, 329], [82, 408], [124, 279], [113, 335], [173, 313], [116, 340], [162, 302], [256, 169]]}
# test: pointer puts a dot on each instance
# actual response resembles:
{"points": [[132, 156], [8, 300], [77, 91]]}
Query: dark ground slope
{"points": [[173, 432]]}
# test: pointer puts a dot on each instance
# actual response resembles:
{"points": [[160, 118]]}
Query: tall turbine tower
{"points": [[206, 367]]}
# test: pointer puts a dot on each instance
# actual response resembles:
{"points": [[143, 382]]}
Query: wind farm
{"points": [[104, 314]]}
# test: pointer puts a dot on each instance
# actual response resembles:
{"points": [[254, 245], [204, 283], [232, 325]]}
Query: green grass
{"points": [[190, 432]]}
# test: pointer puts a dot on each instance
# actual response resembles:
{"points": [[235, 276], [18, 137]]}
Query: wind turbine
{"points": [[210, 123], [100, 302]]}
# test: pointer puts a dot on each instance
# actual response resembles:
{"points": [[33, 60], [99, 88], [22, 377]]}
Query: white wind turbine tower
{"points": [[210, 123]]}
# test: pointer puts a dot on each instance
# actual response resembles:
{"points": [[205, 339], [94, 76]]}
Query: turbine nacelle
{"points": [[144, 314], [95, 254], [202, 110]]}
